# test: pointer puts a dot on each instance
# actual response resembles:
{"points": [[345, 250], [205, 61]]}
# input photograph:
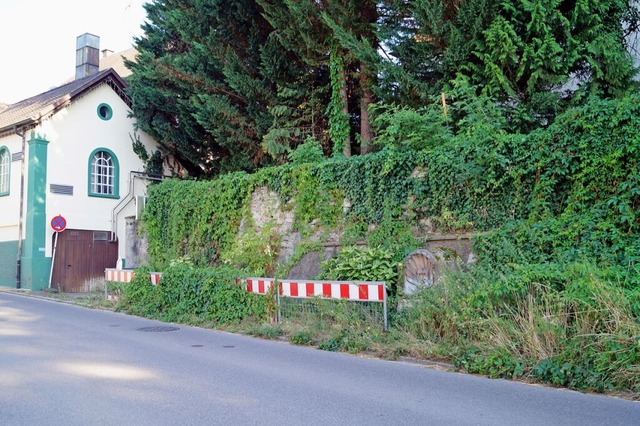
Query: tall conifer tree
{"points": [[205, 81]]}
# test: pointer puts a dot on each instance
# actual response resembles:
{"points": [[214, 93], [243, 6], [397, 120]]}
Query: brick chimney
{"points": [[87, 55]]}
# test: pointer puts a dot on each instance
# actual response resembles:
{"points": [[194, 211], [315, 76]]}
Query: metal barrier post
{"points": [[384, 304], [276, 287]]}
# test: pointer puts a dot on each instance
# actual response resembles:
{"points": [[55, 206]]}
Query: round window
{"points": [[105, 112]]}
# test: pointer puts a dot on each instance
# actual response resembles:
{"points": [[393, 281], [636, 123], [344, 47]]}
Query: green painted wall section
{"points": [[35, 266], [8, 257]]}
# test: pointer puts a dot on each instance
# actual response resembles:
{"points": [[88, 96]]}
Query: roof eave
{"points": [[25, 124], [35, 119], [115, 78]]}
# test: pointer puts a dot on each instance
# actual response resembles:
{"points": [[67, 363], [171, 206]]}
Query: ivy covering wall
{"points": [[568, 192]]}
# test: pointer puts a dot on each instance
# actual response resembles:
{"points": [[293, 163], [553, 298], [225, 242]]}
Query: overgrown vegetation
{"points": [[554, 297], [573, 325], [193, 295], [237, 87], [560, 194], [515, 121]]}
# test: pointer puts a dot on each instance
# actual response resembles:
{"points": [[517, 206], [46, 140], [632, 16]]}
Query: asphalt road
{"points": [[65, 365]]}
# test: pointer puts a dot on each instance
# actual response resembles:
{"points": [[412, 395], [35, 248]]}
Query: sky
{"points": [[38, 39]]}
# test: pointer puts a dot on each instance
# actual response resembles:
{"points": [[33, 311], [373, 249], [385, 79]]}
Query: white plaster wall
{"points": [[73, 134], [10, 204]]}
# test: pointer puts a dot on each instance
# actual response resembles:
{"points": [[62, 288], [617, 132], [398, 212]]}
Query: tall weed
{"points": [[568, 325]]}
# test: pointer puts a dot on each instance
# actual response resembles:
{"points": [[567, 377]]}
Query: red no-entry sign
{"points": [[58, 223]]}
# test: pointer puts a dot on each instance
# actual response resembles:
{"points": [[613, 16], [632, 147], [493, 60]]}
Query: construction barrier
{"points": [[126, 276], [155, 277], [355, 291], [118, 275]]}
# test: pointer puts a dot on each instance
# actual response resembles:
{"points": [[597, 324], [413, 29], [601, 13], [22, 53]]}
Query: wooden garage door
{"points": [[82, 256]]}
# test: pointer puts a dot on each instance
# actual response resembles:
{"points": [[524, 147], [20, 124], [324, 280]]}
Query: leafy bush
{"points": [[586, 190], [405, 127], [255, 252], [569, 325], [139, 296], [308, 152], [185, 292], [365, 264]]}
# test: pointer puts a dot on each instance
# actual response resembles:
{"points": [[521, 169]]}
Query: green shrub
{"points": [[569, 325], [185, 291], [365, 264], [417, 129], [255, 252], [308, 152], [138, 296]]}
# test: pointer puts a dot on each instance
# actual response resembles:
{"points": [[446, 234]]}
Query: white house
{"points": [[67, 155]]}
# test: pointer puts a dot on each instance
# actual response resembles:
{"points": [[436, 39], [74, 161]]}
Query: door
{"points": [[82, 256]]}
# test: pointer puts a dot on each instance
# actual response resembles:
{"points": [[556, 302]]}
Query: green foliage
{"points": [[368, 264], [533, 48], [569, 325], [346, 340], [549, 202], [332, 325], [371, 183], [153, 163], [237, 88], [255, 251], [195, 219], [394, 234], [406, 127], [535, 57], [557, 195], [302, 338], [583, 174], [211, 81], [139, 296], [339, 127], [308, 152], [209, 294]]}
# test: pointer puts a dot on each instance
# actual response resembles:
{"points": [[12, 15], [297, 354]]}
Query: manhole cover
{"points": [[158, 329], [114, 325], [196, 346], [228, 346], [3, 319]]}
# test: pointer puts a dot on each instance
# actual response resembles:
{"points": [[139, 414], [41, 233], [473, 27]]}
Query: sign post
{"points": [[58, 224]]}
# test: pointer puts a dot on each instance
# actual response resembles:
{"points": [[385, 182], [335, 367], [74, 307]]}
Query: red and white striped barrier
{"points": [[155, 277], [361, 291], [118, 275], [126, 276], [258, 285], [358, 291]]}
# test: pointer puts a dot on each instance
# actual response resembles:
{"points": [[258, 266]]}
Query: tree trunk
{"points": [[346, 147], [369, 16], [366, 132]]}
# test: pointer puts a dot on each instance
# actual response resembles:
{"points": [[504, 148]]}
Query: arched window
{"points": [[5, 170], [104, 173]]}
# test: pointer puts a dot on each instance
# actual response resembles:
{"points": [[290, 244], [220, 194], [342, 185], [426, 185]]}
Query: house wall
{"points": [[9, 204], [8, 257], [9, 216], [74, 134]]}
